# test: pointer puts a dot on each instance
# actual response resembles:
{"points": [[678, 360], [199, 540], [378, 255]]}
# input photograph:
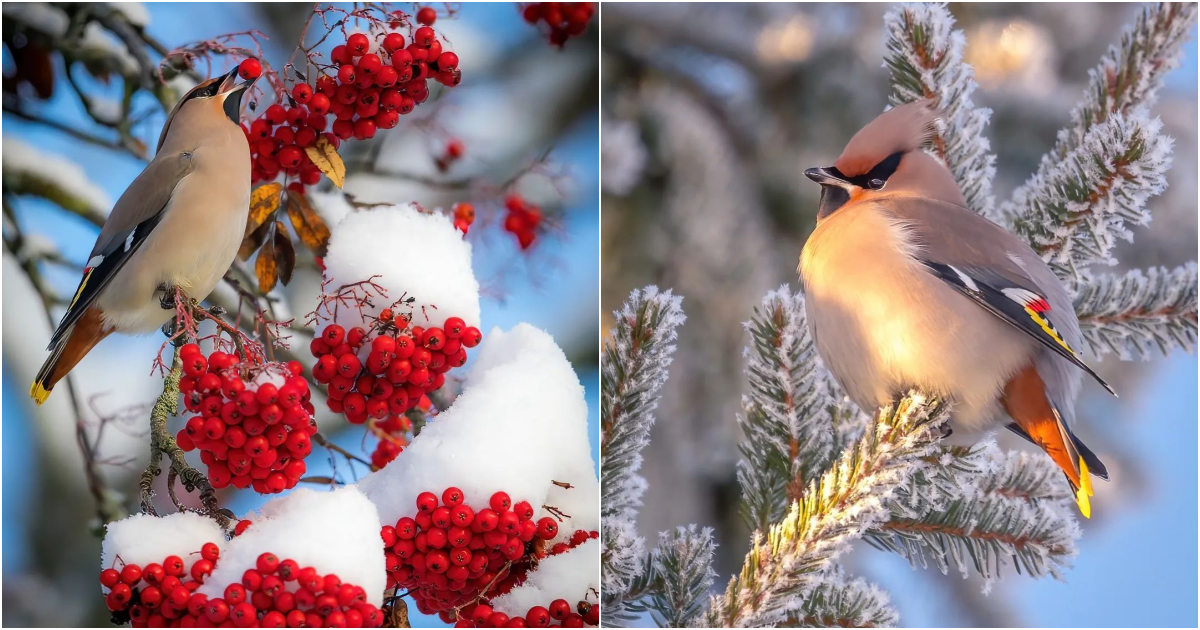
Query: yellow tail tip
{"points": [[39, 393], [1084, 491], [1085, 506]]}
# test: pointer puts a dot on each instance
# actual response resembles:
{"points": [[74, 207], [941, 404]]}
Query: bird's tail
{"points": [[1026, 402], [67, 352]]}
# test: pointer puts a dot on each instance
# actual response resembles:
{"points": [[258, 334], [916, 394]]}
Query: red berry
{"points": [[559, 609], [370, 64], [358, 43], [423, 37], [210, 552], [130, 574], [302, 93], [426, 16], [109, 578], [346, 75], [447, 61], [249, 69], [500, 501], [267, 563], [427, 502], [537, 617]]}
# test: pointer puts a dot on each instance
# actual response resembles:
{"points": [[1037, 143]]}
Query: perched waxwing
{"points": [[906, 287], [178, 225]]}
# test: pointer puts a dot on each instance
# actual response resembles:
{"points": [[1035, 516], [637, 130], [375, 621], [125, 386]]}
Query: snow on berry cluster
{"points": [[560, 592], [309, 560], [383, 348], [563, 19], [378, 77], [502, 437], [254, 423], [522, 220], [450, 554]]}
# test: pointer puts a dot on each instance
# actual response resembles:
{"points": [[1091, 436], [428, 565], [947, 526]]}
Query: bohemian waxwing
{"points": [[179, 224], [906, 287]]}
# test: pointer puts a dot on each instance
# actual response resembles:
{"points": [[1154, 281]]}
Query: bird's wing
{"points": [[987, 264], [133, 218]]}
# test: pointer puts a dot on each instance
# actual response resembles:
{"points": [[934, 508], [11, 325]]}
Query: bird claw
{"points": [[167, 301]]}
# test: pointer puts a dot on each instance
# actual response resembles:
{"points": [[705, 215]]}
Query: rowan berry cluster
{"points": [[564, 19], [557, 614], [275, 594], [522, 220], [464, 216], [391, 372], [250, 431], [375, 79], [450, 554]]}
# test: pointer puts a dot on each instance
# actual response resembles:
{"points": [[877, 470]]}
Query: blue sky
{"points": [[567, 287]]}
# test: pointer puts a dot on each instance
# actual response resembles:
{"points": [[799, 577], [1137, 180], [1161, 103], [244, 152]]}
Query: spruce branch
{"points": [[925, 57], [680, 573], [998, 508], [1129, 76], [839, 507], [790, 414], [1073, 209], [1111, 158], [1133, 313], [634, 369], [836, 601]]}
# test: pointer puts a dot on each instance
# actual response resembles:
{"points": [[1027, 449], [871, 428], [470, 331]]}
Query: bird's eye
{"points": [[875, 184]]}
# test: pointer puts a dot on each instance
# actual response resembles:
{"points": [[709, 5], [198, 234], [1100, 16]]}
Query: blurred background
{"points": [[710, 114], [70, 150]]}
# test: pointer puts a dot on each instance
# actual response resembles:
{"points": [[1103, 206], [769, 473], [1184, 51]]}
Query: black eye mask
{"points": [[875, 178]]}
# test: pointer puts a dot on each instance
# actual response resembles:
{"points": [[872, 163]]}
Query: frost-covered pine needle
{"points": [[634, 369], [1138, 312], [925, 57], [838, 508]]}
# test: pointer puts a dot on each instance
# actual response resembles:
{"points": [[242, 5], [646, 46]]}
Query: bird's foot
{"points": [[169, 298]]}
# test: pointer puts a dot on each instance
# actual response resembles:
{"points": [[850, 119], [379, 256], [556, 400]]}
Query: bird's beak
{"points": [[229, 83], [827, 176]]}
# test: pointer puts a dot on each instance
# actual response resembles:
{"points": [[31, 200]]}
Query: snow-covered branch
{"points": [[925, 57], [1134, 313], [983, 510], [634, 369], [680, 572], [790, 414], [835, 510], [1075, 207], [1112, 157], [1129, 76], [837, 601]]}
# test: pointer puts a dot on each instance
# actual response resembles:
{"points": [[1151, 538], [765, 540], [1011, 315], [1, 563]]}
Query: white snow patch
{"points": [[416, 255], [334, 532], [40, 16], [23, 160], [570, 576], [519, 424], [135, 12], [142, 539]]}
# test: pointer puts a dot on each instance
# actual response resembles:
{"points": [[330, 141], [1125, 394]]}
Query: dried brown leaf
{"points": [[325, 156], [264, 201], [266, 267], [309, 225], [285, 254], [253, 241]]}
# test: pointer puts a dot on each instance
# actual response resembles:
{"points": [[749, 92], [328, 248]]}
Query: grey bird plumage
{"points": [[906, 287], [178, 225]]}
